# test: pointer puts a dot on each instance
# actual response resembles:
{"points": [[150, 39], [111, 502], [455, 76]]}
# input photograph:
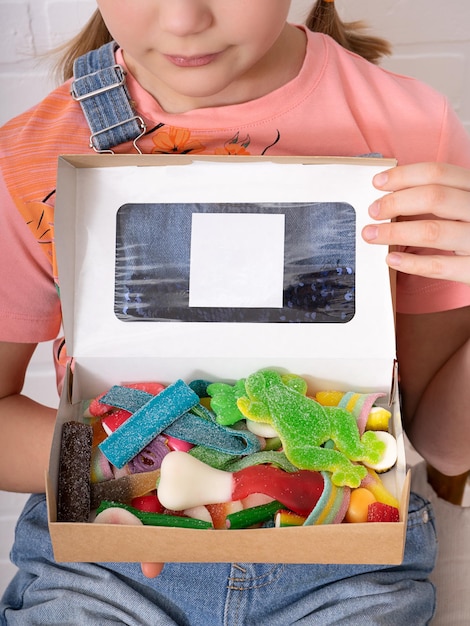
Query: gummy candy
{"points": [[73, 501], [304, 426], [224, 401], [332, 505], [185, 482], [124, 489], [147, 421], [154, 519], [358, 505], [379, 512], [252, 516], [373, 483]]}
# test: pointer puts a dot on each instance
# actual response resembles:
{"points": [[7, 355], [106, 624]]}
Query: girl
{"points": [[233, 77]]}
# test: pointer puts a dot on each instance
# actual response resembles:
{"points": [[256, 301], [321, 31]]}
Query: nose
{"points": [[185, 17]]}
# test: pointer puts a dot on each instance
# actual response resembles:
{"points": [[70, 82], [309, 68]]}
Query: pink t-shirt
{"points": [[338, 105]]}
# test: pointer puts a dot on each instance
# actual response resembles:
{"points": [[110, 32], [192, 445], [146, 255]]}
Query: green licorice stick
{"points": [[254, 515], [156, 519]]}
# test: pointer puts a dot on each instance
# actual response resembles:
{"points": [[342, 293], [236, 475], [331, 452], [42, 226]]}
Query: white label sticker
{"points": [[237, 260]]}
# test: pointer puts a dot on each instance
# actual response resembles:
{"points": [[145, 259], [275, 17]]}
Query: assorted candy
{"points": [[258, 453]]}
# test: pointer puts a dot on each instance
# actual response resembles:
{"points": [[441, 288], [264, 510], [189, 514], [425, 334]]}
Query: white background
{"points": [[431, 41]]}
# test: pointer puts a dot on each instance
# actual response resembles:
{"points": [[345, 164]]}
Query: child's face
{"points": [[196, 53]]}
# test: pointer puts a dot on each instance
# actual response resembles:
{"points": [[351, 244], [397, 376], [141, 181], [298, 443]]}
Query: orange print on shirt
{"points": [[235, 146], [176, 141]]}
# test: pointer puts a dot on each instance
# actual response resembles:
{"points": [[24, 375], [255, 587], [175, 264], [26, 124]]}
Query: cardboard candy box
{"points": [[213, 268]]}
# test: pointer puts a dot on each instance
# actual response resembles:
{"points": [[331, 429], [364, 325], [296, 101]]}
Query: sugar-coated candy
{"points": [[199, 386], [73, 499], [332, 505], [214, 458], [264, 457], [389, 456], [329, 398], [257, 452], [380, 512], [99, 408], [186, 481], [285, 518], [125, 488], [359, 404], [304, 426], [298, 491], [198, 430], [224, 401], [374, 483], [100, 469], [196, 426], [147, 422]]}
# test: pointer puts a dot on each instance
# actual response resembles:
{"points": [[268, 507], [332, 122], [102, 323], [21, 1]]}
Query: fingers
{"points": [[151, 570], [439, 200], [429, 205], [455, 268], [419, 174], [423, 188], [452, 236]]}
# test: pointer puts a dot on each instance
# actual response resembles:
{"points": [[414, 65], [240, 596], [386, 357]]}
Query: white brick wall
{"points": [[431, 41]]}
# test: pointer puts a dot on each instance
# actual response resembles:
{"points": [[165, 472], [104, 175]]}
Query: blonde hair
{"points": [[92, 36], [323, 18]]}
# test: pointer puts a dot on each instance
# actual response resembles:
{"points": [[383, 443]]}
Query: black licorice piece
{"points": [[73, 499]]}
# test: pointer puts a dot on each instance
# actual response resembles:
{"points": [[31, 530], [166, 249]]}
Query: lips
{"points": [[192, 61]]}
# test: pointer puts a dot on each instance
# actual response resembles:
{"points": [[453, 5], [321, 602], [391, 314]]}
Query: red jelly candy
{"points": [[298, 491], [149, 503], [380, 512]]}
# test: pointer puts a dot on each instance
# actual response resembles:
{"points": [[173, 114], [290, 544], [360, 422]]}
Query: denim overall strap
{"points": [[99, 86]]}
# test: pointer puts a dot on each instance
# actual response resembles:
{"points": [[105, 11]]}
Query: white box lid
{"points": [[93, 189]]}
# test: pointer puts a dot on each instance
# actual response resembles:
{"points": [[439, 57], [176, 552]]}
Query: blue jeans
{"points": [[93, 594]]}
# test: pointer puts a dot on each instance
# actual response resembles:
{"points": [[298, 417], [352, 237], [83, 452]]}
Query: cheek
{"points": [[122, 20]]}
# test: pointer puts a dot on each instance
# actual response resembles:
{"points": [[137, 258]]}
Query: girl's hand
{"points": [[438, 195], [151, 570]]}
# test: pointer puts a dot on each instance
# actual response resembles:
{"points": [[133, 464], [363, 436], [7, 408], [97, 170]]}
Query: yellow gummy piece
{"points": [[329, 398], [352, 402], [378, 489], [288, 518], [378, 419]]}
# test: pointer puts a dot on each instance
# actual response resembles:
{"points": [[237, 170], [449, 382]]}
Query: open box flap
{"points": [[91, 191]]}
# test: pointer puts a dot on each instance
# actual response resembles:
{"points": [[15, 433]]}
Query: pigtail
{"points": [[324, 18], [92, 36]]}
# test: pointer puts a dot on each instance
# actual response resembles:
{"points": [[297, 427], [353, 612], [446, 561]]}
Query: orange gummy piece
{"points": [[359, 505]]}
